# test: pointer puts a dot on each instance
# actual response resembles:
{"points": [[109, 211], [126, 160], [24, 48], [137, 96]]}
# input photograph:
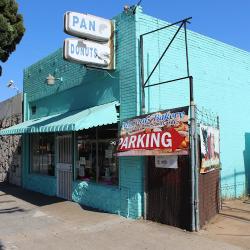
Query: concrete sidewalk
{"points": [[232, 225], [33, 221]]}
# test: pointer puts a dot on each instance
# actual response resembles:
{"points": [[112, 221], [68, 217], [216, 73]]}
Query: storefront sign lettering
{"points": [[87, 26], [86, 52], [169, 139]]}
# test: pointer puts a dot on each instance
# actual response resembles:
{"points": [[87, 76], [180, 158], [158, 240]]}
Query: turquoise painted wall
{"points": [[38, 183], [80, 89], [218, 70], [221, 84], [127, 199], [131, 168], [247, 161], [109, 197]]}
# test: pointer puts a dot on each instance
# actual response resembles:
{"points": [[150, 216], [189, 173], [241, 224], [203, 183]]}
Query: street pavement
{"points": [[33, 221]]}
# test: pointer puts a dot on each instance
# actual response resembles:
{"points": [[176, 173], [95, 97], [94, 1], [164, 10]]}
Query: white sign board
{"points": [[108, 153], [87, 26], [87, 52], [166, 161]]}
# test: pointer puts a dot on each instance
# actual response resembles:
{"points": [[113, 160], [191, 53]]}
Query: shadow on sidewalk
{"points": [[235, 217], [11, 210], [236, 210], [34, 198], [2, 246], [230, 208]]}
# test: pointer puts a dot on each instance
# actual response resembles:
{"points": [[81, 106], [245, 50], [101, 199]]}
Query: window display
{"points": [[86, 160], [42, 154], [96, 160]]}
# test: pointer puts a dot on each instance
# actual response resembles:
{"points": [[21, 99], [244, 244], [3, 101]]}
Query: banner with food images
{"points": [[210, 149], [160, 133]]}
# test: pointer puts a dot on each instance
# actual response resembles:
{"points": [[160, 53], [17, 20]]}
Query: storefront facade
{"points": [[113, 185], [75, 122]]}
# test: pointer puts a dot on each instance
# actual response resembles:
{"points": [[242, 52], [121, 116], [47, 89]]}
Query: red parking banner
{"points": [[160, 133]]}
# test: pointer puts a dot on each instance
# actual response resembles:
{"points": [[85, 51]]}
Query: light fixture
{"points": [[126, 8], [51, 79], [117, 109], [11, 84]]}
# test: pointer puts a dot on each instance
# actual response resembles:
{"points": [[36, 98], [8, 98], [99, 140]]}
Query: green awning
{"points": [[71, 121]]}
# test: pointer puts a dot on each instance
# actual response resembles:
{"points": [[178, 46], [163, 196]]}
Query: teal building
{"points": [[70, 127]]}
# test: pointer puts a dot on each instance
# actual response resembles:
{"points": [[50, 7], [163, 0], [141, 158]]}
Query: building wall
{"points": [[80, 89], [209, 199], [221, 84], [217, 68], [38, 183], [131, 168], [128, 199], [10, 146], [109, 197]]}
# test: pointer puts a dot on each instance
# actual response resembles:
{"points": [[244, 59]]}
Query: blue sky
{"points": [[224, 20]]}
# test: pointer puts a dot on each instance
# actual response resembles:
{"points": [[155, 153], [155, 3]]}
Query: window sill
{"points": [[42, 175], [101, 183]]}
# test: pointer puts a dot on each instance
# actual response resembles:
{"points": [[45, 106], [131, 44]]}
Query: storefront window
{"points": [[108, 162], [96, 160], [42, 154]]}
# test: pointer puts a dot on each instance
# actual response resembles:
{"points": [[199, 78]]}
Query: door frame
{"points": [[65, 166]]}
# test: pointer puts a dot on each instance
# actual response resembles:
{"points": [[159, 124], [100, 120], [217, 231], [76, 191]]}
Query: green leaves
{"points": [[11, 28]]}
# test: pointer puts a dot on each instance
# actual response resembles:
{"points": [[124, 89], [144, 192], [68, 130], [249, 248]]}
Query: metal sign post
{"points": [[193, 132]]}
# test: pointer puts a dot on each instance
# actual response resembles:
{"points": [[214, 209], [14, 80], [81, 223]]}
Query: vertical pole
{"points": [[145, 187], [73, 167], [145, 179], [220, 192], [235, 185], [193, 154], [97, 151], [142, 76], [74, 151], [56, 161], [194, 148], [196, 173], [186, 47]]}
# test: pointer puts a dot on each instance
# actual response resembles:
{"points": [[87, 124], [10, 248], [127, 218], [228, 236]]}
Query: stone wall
{"points": [[10, 146]]}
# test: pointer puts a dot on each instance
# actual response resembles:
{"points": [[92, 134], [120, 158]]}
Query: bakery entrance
{"points": [[169, 193], [64, 166]]}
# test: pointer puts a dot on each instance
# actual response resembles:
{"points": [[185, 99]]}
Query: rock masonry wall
{"points": [[10, 146], [10, 152]]}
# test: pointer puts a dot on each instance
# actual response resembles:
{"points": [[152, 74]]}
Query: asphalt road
{"points": [[33, 221]]}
